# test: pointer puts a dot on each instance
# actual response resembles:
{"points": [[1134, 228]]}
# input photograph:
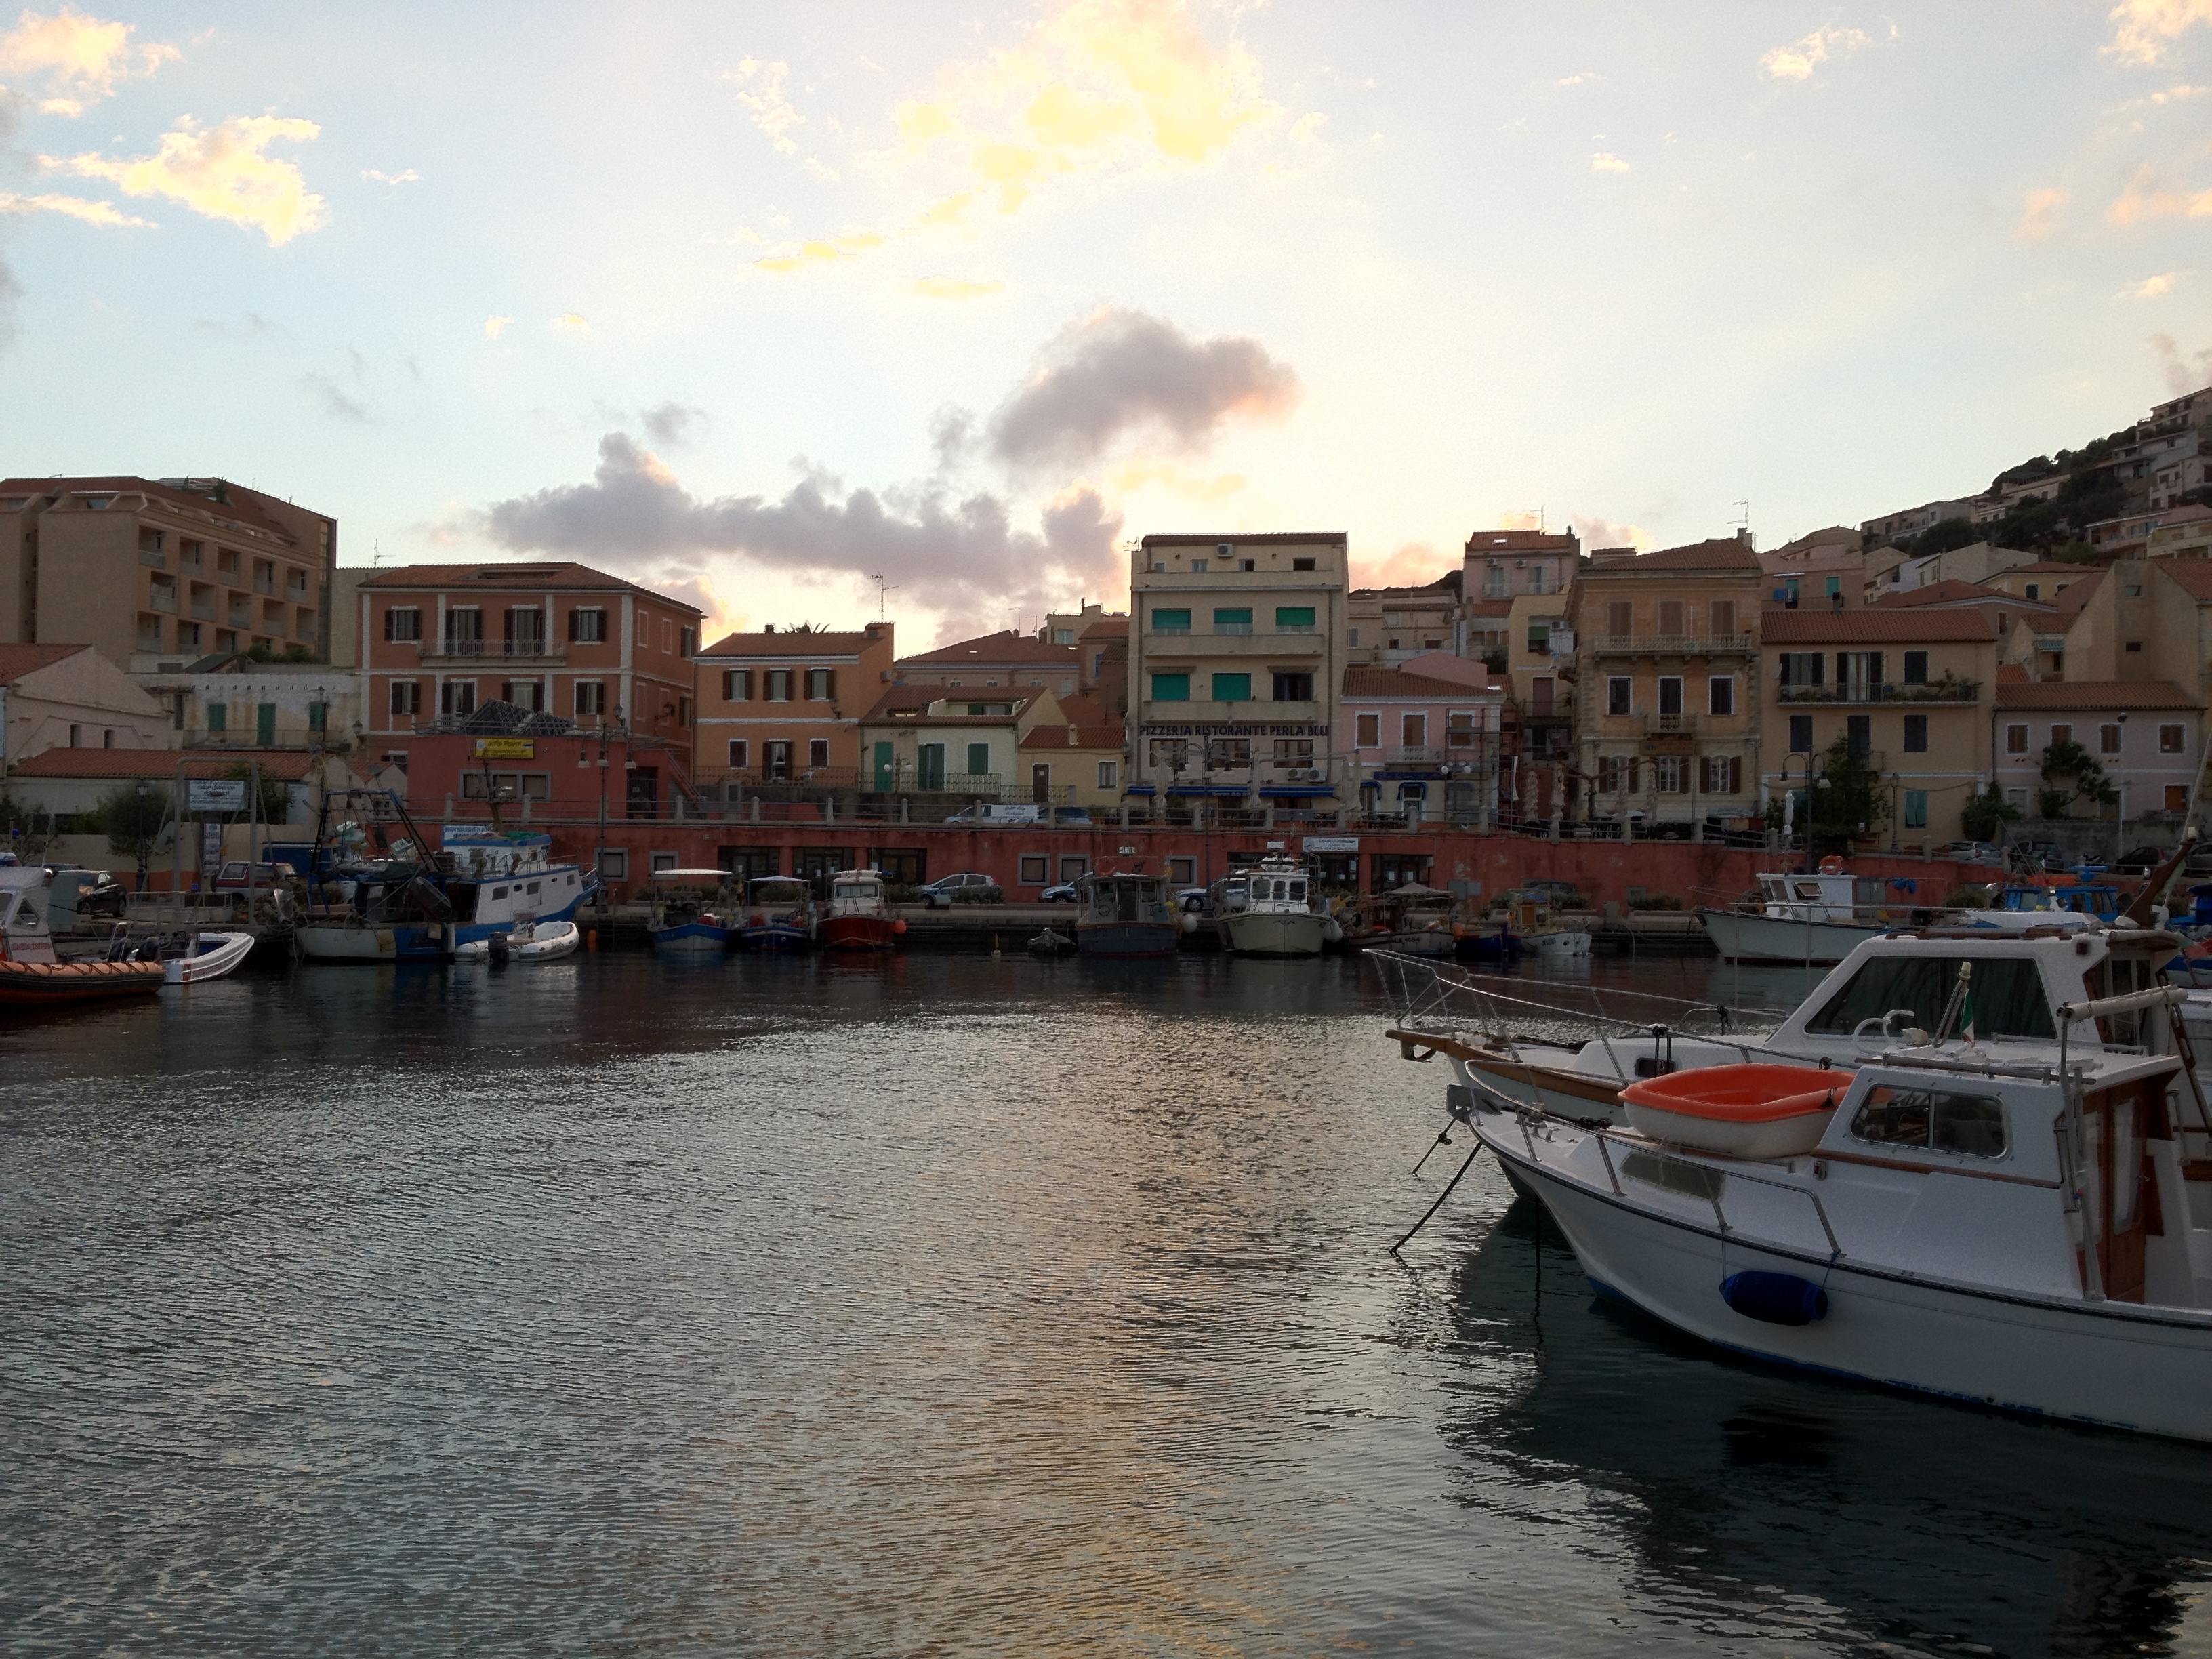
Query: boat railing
{"points": [[1429, 995]]}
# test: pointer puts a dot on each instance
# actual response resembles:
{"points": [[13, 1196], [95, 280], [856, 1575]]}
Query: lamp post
{"points": [[1813, 780], [145, 841], [2120, 810]]}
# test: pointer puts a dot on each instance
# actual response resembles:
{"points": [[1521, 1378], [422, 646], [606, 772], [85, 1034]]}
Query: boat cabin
{"points": [[853, 893], [26, 931]]}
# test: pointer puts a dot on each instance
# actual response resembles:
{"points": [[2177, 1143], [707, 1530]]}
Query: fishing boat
{"points": [[859, 918], [1947, 1219], [1418, 920], [373, 895], [496, 879], [1267, 910], [1126, 915], [30, 976], [525, 941], [779, 913], [692, 911], [1816, 918], [2061, 905]]}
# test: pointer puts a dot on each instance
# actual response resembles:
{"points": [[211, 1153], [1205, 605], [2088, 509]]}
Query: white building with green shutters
{"points": [[1236, 655]]}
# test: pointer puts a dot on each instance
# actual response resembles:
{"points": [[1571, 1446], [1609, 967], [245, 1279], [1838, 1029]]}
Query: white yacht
{"points": [[1268, 909], [1815, 919]]}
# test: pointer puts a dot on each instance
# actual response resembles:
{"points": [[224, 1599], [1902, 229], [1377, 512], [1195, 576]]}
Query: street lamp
{"points": [[2120, 810], [1813, 780], [145, 841]]}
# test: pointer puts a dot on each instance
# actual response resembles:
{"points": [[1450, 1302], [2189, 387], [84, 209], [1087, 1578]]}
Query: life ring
{"points": [[1832, 866]]}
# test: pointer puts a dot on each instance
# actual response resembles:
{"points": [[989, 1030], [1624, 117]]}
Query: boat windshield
{"points": [[856, 889], [2007, 997]]}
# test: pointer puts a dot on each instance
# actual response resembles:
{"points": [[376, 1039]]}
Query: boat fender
{"points": [[898, 925], [1775, 1298], [1189, 922]]}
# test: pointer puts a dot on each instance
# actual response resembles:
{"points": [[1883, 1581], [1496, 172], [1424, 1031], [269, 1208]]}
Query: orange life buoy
{"points": [[1832, 866]]}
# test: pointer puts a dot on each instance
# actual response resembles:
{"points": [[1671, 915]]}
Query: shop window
{"points": [[1033, 868]]}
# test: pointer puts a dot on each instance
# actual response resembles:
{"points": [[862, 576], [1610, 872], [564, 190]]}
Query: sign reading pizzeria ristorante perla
{"points": [[1234, 729]]}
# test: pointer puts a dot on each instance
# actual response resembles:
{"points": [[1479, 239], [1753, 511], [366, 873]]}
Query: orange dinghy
{"points": [[49, 983], [1743, 1111]]}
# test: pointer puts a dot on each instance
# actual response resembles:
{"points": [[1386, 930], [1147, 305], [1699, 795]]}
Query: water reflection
{"points": [[1762, 1504]]}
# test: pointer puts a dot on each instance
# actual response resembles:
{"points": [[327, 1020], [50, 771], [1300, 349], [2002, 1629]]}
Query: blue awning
{"points": [[1139, 789], [1303, 791], [1419, 773], [1224, 789]]}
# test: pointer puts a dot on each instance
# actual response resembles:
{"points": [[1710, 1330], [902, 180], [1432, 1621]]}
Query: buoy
{"points": [[1832, 866], [898, 925]]}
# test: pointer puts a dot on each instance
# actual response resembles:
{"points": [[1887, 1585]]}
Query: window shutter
{"points": [[1619, 618], [572, 624], [829, 678], [1705, 775]]}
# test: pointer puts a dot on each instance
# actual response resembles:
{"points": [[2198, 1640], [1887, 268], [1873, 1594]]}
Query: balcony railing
{"points": [[536, 649], [165, 599], [1950, 691], [153, 557], [242, 613], [1232, 628], [1676, 644], [264, 584], [1671, 725], [1413, 754], [203, 606]]}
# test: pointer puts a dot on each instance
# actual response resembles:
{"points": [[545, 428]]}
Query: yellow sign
{"points": [[507, 749]]}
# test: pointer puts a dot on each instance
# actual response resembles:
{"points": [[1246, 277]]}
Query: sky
{"points": [[815, 312]]}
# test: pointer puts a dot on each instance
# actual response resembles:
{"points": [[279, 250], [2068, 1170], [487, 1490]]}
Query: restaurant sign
{"points": [[1229, 729], [507, 749], [1332, 843]]}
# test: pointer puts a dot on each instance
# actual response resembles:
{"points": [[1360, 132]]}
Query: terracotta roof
{"points": [[911, 702], [511, 576], [789, 645], [242, 512], [2011, 674], [1078, 708], [1051, 736], [1873, 625], [1522, 541], [2077, 594], [1494, 607], [2094, 695], [1108, 628], [17, 661], [1369, 681], [2048, 567], [1326, 537], [2194, 576], [1007, 646], [1952, 591], [1723, 553], [289, 764]]}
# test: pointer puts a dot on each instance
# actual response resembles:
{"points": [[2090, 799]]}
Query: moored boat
{"points": [[859, 919], [1810, 919], [1125, 914], [29, 974], [1267, 910], [197, 957], [691, 912], [779, 913], [525, 941]]}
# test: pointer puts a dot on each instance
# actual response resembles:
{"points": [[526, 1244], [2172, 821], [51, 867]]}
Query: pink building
{"points": [[1422, 738]]}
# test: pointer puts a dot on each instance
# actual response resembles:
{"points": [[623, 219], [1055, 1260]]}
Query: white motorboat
{"points": [[1813, 919], [1267, 910], [2027, 1234], [204, 955], [527, 940]]}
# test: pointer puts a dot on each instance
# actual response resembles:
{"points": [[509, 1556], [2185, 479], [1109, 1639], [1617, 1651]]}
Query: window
{"points": [[1719, 774], [1619, 618], [1935, 1120], [587, 625], [1720, 693], [2035, 590], [2108, 739], [1459, 730], [979, 758], [1670, 619], [1232, 621], [1619, 691], [1413, 731], [1916, 668], [1367, 730], [1236, 752], [2170, 740], [740, 754], [1832, 585], [737, 685], [457, 697], [1232, 688], [1171, 687], [1352, 637], [406, 699], [1198, 567], [218, 716], [1494, 583], [2018, 799], [1616, 773], [614, 864], [778, 685], [1800, 734], [523, 694], [526, 630], [667, 635], [817, 751], [1302, 564], [1667, 774], [1803, 667], [2008, 998], [1106, 775], [1859, 728], [776, 754], [1169, 752], [2134, 591], [1296, 619], [1723, 621], [2177, 797], [1916, 808], [1670, 694], [591, 697], [1073, 864], [1170, 621], [2062, 734], [1536, 579], [821, 685], [1294, 685], [1294, 752], [2015, 740], [644, 630], [1033, 868], [2133, 645], [1915, 734], [661, 862], [401, 623], [687, 641]]}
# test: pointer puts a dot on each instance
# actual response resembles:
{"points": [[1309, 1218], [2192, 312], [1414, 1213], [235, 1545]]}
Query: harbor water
{"points": [[934, 1304]]}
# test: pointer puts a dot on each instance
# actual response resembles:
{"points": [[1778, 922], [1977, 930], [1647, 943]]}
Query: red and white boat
{"points": [[29, 974], [859, 918]]}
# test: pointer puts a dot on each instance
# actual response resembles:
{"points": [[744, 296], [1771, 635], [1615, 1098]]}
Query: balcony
{"points": [[1671, 725], [1413, 754], [1941, 691], [164, 597], [241, 612], [535, 652], [203, 604], [153, 558], [1675, 644], [265, 584]]}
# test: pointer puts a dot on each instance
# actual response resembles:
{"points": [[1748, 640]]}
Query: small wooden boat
{"points": [[1741, 1111], [779, 913], [859, 919]]}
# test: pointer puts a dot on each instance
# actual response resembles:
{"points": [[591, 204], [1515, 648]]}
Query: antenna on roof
{"points": [[877, 577]]}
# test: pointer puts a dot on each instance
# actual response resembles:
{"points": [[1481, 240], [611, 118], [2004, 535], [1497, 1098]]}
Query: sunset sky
{"points": [[753, 302]]}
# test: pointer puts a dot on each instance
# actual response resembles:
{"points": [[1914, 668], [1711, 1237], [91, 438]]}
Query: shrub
{"points": [[1654, 902], [1974, 895]]}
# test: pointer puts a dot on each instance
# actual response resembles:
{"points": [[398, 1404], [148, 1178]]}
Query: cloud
{"points": [[495, 325], [1606, 161], [952, 287], [1797, 62], [1117, 373], [1582, 80], [2144, 29], [1410, 564], [669, 424], [81, 58], [1145, 474], [2184, 374], [823, 251], [571, 322], [2151, 286], [2143, 199], [2041, 214], [11, 290], [966, 555], [1606, 532], [772, 113], [77, 207], [337, 401], [410, 177], [1103, 90], [221, 172]]}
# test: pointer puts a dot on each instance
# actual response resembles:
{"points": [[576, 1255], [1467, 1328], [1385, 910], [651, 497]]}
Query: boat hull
{"points": [[1418, 942], [323, 942], [1273, 932], [2116, 1364], [778, 936], [691, 938], [52, 984], [860, 933], [228, 952], [1743, 937], [1128, 938]]}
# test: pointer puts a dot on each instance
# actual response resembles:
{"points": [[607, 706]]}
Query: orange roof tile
{"points": [[1873, 625], [511, 576], [289, 764], [789, 645], [1005, 647], [2097, 695], [17, 661]]}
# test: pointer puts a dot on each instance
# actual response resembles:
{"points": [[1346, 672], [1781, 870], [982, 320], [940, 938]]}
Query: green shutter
{"points": [[218, 717], [979, 757], [1291, 616], [1233, 622], [1171, 621], [1232, 688], [1171, 687]]}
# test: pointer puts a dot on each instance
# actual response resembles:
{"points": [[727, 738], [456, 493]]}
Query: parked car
{"points": [[1058, 893], [1561, 895], [966, 887], [74, 894], [238, 875], [1191, 899], [1970, 851], [2140, 860]]}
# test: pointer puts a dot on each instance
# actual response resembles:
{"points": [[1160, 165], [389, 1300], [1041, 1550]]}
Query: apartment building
{"points": [[1667, 702], [2185, 532], [149, 570], [1004, 661], [1502, 564], [1389, 626], [1422, 740], [69, 697], [785, 706], [1826, 569], [2146, 735], [1908, 688], [1236, 662], [1993, 601], [1911, 521], [969, 742], [237, 701], [1074, 755], [439, 640]]}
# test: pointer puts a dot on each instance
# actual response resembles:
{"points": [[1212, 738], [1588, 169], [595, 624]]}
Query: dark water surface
{"points": [[939, 1305]]}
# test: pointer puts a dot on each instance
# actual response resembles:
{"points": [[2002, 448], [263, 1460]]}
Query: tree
{"points": [[1985, 816], [133, 815], [1849, 804], [2071, 772], [276, 796]]}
